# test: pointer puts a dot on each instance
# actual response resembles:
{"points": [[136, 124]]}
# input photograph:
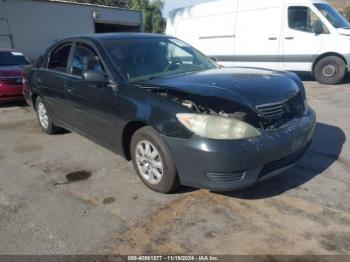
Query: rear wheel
{"points": [[330, 70], [44, 119], [153, 160]]}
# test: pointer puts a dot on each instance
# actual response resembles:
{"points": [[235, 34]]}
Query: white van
{"points": [[294, 35]]}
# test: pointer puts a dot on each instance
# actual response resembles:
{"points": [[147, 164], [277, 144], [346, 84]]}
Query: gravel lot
{"points": [[63, 194]]}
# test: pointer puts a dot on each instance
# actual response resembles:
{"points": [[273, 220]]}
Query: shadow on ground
{"points": [[307, 77], [20, 103], [324, 151]]}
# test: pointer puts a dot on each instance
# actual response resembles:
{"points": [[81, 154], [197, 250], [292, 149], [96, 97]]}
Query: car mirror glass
{"points": [[94, 77]]}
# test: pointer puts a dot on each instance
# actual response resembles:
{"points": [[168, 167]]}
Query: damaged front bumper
{"points": [[224, 165]]}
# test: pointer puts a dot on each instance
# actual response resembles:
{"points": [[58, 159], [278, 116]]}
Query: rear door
{"points": [[91, 105], [300, 44], [51, 80]]}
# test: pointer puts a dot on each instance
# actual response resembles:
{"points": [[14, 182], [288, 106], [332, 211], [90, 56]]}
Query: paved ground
{"points": [[65, 195]]}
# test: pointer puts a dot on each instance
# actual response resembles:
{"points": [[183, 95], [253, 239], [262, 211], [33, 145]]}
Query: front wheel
{"points": [[44, 119], [330, 70], [153, 160]]}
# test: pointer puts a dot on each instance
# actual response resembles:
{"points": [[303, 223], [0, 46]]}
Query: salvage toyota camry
{"points": [[177, 115]]}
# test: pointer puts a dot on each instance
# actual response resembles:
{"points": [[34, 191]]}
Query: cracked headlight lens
{"points": [[217, 127]]}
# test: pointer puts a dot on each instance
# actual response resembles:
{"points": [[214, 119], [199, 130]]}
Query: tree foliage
{"points": [[116, 3], [152, 11], [347, 13], [153, 19]]}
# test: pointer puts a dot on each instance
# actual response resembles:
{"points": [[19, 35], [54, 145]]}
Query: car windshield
{"points": [[12, 58], [144, 59], [333, 16]]}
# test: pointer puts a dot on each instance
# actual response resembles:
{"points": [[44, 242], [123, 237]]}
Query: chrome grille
{"points": [[273, 111]]}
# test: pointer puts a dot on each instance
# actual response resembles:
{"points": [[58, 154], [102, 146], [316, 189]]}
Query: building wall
{"points": [[35, 25]]}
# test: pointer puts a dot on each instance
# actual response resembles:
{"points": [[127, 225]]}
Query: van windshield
{"points": [[142, 59], [333, 16]]}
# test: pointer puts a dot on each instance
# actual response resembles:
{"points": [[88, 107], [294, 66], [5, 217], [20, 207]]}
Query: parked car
{"points": [[178, 116], [11, 74], [294, 35]]}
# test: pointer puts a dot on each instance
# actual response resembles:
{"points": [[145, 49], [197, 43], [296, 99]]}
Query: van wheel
{"points": [[44, 119], [153, 160], [330, 70]]}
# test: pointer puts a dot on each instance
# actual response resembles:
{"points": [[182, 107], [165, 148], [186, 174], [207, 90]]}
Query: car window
{"points": [[59, 58], [175, 53], [11, 58], [302, 18], [147, 58], [85, 58]]}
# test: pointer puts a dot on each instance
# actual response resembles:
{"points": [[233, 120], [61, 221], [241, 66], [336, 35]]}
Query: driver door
{"points": [[300, 44], [91, 104]]}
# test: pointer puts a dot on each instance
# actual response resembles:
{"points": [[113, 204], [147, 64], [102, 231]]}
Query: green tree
{"points": [[152, 11], [116, 3], [347, 13]]}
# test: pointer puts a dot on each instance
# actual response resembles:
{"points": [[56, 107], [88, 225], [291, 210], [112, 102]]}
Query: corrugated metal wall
{"points": [[34, 25]]}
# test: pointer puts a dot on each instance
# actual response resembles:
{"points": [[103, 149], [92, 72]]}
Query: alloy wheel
{"points": [[43, 117], [329, 70], [149, 162]]}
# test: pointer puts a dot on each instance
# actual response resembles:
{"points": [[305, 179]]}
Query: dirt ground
{"points": [[63, 194]]}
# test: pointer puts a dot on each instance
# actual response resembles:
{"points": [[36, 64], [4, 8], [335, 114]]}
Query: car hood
{"points": [[249, 86], [344, 31], [11, 71]]}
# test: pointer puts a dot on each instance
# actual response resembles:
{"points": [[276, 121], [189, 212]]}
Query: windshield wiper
{"points": [[144, 79], [167, 75]]}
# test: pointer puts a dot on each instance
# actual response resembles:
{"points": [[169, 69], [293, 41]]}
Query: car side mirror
{"points": [[94, 77], [318, 27]]}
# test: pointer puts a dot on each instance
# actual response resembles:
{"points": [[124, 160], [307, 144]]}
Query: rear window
{"points": [[13, 58]]}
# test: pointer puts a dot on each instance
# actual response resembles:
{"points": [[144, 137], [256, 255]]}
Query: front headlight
{"points": [[217, 127]]}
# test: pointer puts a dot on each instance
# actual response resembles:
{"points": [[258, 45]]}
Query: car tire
{"points": [[44, 119], [330, 70], [153, 160]]}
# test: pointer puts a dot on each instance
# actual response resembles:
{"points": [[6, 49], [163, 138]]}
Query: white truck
{"points": [[294, 35]]}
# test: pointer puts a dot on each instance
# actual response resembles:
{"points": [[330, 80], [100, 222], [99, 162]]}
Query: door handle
{"points": [[272, 38], [289, 37], [69, 88]]}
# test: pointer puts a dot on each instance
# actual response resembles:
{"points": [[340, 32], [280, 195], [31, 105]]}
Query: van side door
{"points": [[301, 44], [91, 104], [258, 35], [211, 31]]}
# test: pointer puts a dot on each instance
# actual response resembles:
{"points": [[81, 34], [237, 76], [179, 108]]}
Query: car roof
{"points": [[116, 36]]}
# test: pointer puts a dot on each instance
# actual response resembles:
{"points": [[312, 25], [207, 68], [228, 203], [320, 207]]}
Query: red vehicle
{"points": [[11, 74]]}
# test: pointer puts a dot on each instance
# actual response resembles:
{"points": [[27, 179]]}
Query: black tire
{"points": [[330, 70], [50, 128], [169, 180]]}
